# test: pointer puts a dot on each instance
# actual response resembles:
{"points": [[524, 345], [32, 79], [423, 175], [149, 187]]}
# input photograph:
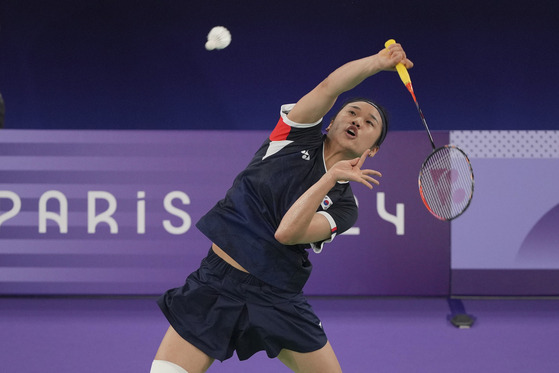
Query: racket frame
{"points": [[421, 172]]}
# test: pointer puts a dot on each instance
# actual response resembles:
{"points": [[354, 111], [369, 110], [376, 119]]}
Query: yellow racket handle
{"points": [[402, 71]]}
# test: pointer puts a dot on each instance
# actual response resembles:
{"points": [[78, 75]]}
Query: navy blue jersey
{"points": [[243, 224]]}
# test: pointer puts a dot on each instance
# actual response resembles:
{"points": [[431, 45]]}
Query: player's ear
{"points": [[373, 151]]}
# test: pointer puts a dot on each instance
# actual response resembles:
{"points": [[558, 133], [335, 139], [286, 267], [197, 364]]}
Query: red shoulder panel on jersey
{"points": [[280, 132]]}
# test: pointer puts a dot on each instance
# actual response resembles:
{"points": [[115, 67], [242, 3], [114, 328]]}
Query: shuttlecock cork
{"points": [[218, 38]]}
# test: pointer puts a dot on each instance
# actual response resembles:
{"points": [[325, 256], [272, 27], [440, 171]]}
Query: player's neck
{"points": [[333, 153]]}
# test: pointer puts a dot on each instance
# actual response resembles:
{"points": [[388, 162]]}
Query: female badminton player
{"points": [[294, 195]]}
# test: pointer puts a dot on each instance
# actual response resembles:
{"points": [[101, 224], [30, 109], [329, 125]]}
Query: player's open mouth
{"points": [[351, 131]]}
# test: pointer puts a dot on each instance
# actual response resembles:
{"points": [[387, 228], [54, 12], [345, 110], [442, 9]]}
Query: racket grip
{"points": [[402, 71]]}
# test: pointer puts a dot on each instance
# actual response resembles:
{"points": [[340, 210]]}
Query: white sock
{"points": [[162, 366]]}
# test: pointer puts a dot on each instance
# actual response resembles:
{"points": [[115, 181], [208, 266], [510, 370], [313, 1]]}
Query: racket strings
{"points": [[446, 182]]}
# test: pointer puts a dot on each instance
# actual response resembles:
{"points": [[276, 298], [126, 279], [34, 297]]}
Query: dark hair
{"points": [[382, 111]]}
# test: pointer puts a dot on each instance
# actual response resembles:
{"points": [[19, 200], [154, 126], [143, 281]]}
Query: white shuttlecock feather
{"points": [[218, 38]]}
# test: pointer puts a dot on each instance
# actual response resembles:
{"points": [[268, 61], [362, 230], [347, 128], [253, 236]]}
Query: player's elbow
{"points": [[328, 89], [284, 237]]}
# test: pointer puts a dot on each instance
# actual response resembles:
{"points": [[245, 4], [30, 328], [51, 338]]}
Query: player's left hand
{"points": [[351, 170]]}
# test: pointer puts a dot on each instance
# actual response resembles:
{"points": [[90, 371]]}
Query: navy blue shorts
{"points": [[221, 310]]}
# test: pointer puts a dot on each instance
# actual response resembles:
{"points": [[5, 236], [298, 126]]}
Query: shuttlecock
{"points": [[218, 38]]}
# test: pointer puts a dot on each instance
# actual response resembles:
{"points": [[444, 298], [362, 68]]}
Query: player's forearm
{"points": [[350, 75], [315, 104], [297, 226]]}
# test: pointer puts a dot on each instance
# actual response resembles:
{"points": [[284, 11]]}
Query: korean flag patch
{"points": [[326, 203]]}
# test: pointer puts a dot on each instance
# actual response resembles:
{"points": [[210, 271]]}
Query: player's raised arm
{"points": [[315, 104]]}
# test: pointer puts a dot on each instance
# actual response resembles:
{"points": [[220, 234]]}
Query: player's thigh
{"points": [[319, 361], [175, 349]]}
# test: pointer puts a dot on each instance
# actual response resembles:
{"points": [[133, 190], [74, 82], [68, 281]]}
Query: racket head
{"points": [[446, 182]]}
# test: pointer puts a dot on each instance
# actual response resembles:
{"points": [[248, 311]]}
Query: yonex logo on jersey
{"points": [[306, 155], [326, 203]]}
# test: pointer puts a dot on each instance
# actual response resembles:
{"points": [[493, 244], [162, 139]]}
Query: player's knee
{"points": [[162, 366]]}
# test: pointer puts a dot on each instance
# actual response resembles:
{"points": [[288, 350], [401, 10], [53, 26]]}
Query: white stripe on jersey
{"points": [[276, 146]]}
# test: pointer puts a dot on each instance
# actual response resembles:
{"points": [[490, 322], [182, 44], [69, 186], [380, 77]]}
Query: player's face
{"points": [[356, 128]]}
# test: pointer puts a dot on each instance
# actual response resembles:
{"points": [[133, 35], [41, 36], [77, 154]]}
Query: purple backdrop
{"points": [[508, 243], [133, 197]]}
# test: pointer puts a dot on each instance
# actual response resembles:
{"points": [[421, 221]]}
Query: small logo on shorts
{"points": [[320, 324], [306, 155]]}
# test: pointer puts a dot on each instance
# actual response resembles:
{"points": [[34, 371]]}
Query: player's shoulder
{"points": [[288, 130], [284, 115]]}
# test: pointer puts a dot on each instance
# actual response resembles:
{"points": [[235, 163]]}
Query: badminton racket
{"points": [[446, 177]]}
